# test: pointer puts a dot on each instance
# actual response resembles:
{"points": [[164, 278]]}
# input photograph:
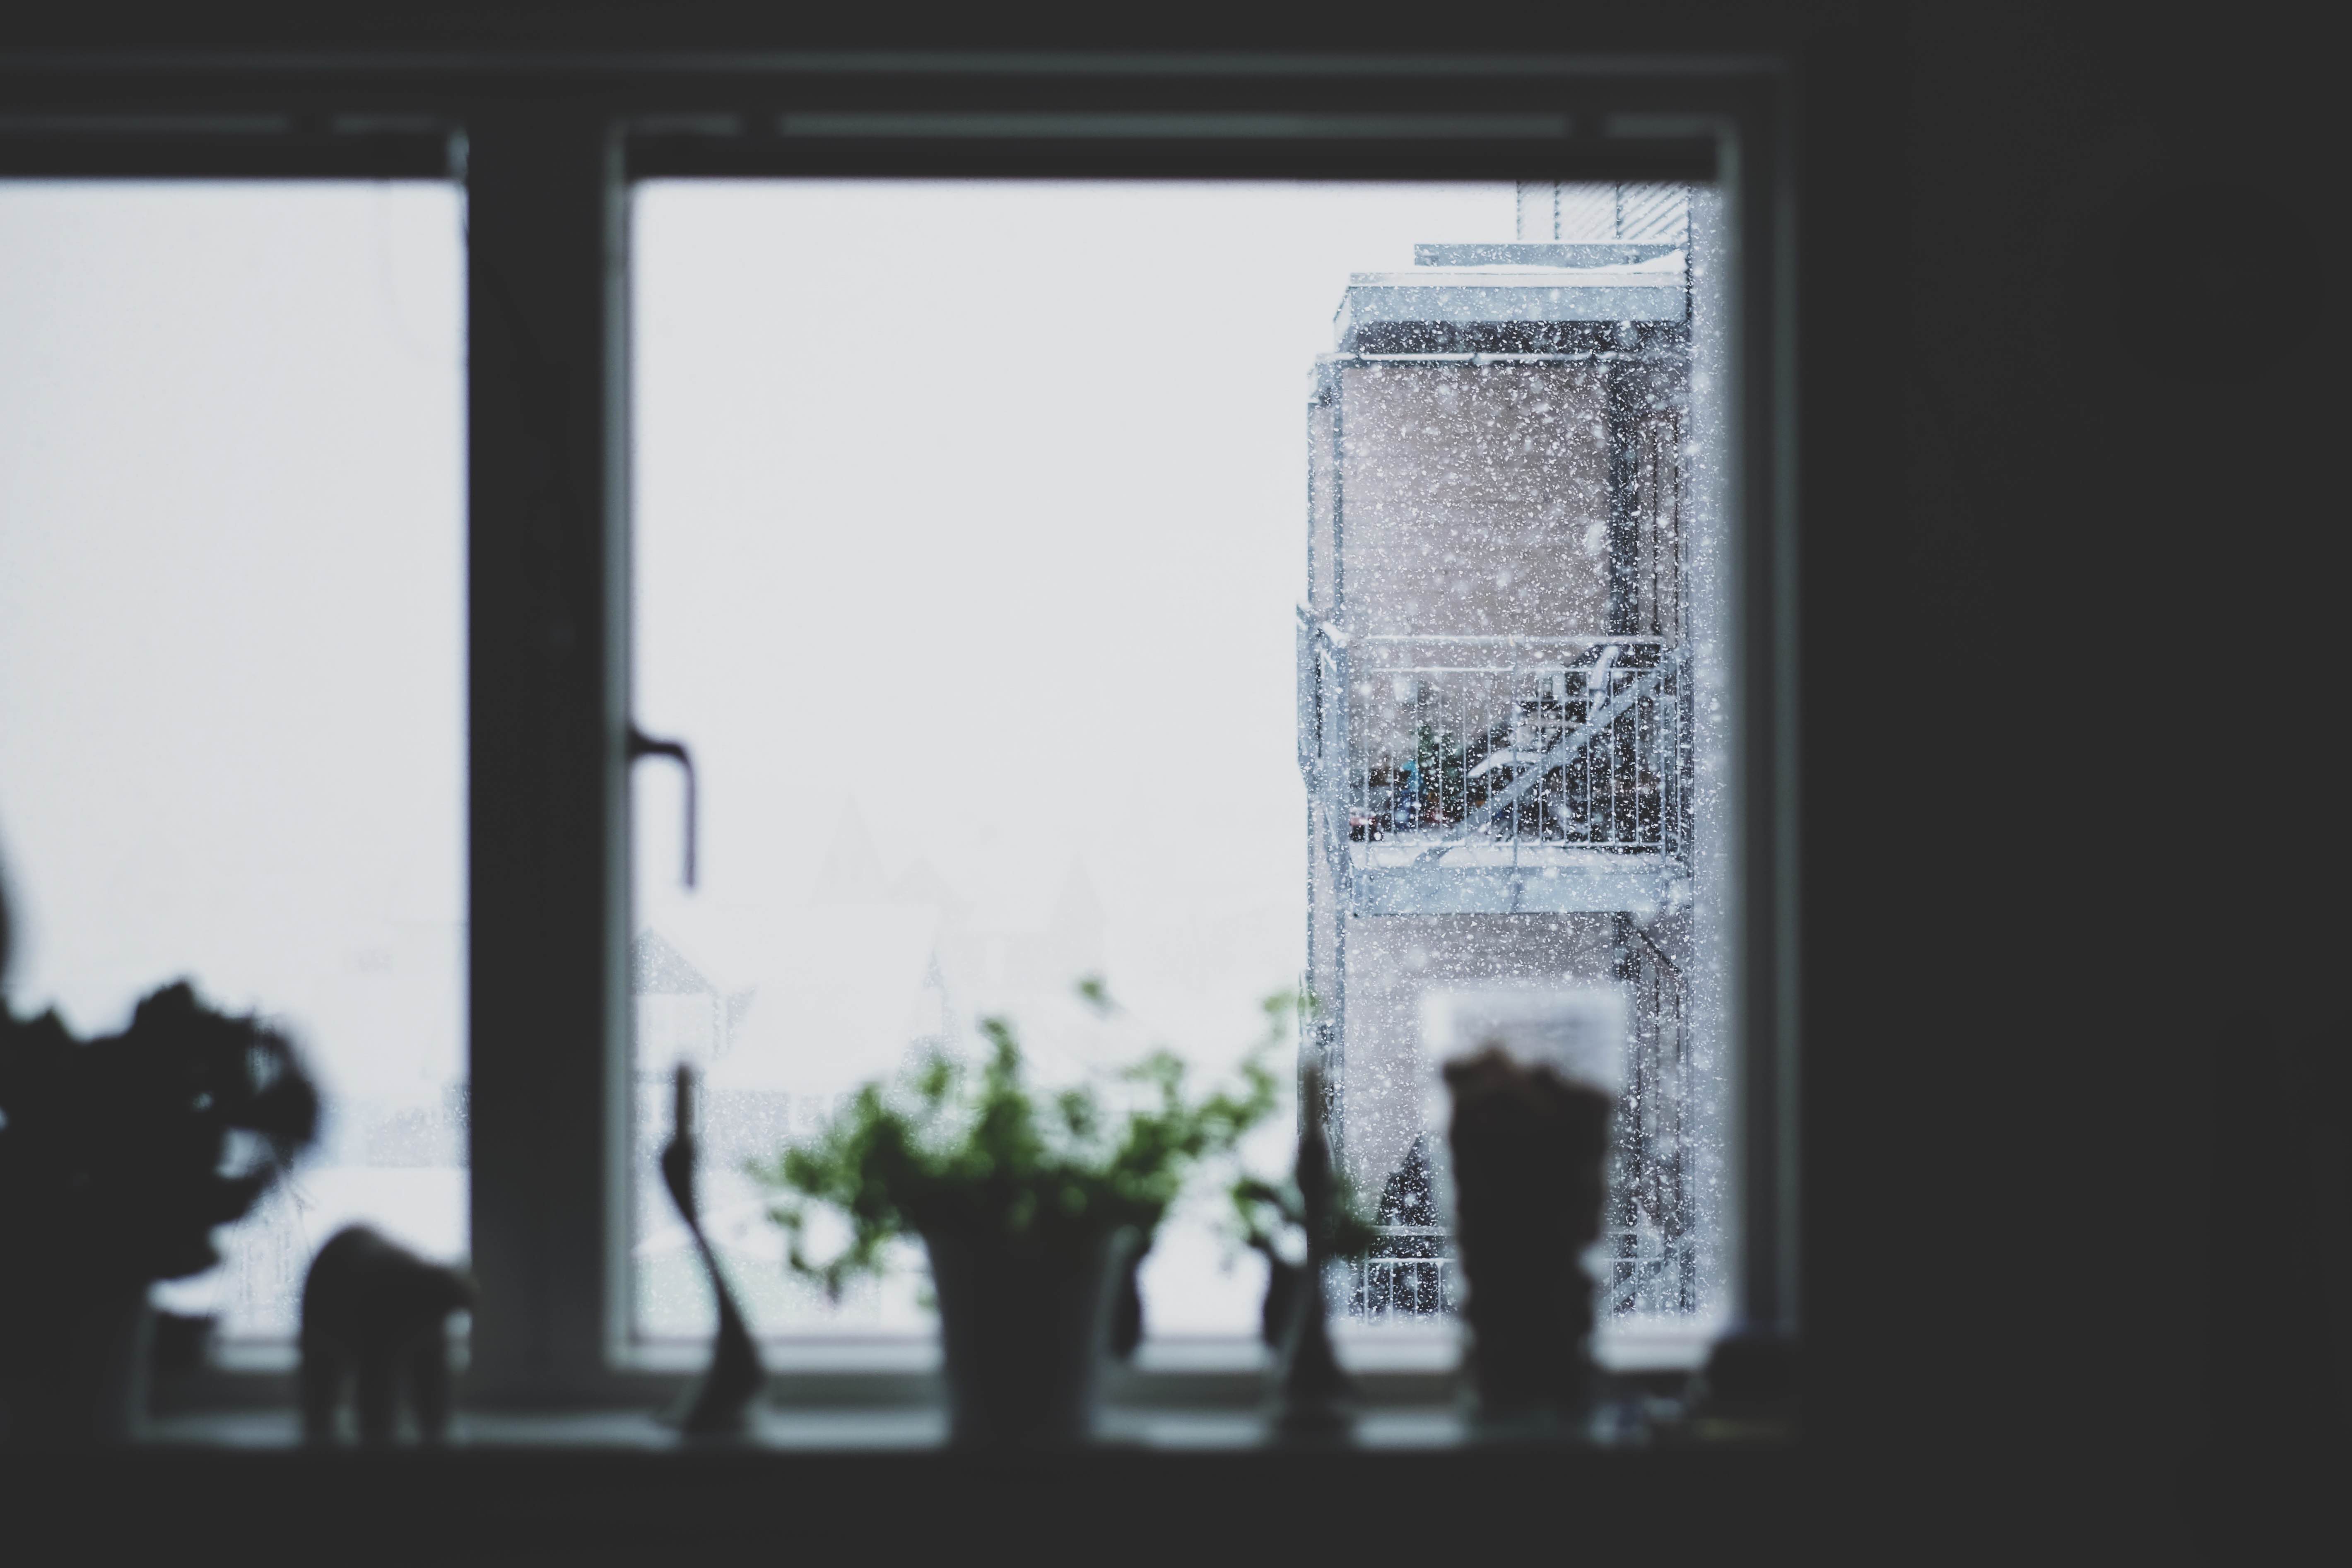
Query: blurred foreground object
{"points": [[118, 1159], [1030, 1208], [1317, 1398], [1749, 1390], [1528, 1148], [721, 1404], [376, 1314]]}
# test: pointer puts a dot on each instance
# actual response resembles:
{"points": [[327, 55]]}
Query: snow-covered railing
{"points": [[1579, 741], [1412, 1273]]}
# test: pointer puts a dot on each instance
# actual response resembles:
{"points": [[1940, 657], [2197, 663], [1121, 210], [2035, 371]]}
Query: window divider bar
{"points": [[548, 681]]}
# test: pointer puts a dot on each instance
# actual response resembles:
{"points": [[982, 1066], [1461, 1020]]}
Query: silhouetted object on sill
{"points": [[1267, 1212], [375, 1317], [1030, 1208], [721, 1404], [1277, 1223], [1528, 1149], [1126, 1309], [1749, 1389], [115, 1168], [1318, 1396], [182, 1345], [1023, 1328], [1282, 1278]]}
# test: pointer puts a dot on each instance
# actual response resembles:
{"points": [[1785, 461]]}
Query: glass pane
{"points": [[1511, 681], [972, 525], [232, 698]]}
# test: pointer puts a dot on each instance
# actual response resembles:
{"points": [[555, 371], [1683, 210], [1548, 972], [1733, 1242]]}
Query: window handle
{"points": [[642, 745]]}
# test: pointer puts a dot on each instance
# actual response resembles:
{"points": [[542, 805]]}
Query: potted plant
{"points": [[119, 1156], [1032, 1209]]}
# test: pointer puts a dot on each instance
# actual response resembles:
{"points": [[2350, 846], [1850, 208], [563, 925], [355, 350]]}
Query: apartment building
{"points": [[1503, 657]]}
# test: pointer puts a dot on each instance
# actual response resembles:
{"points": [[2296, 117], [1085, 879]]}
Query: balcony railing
{"points": [[1412, 1273], [1468, 751]]}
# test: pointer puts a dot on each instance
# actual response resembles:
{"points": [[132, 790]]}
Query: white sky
{"points": [[231, 608], [983, 507], [975, 514], [980, 508]]}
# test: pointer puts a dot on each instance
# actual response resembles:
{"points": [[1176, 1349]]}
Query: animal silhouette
{"points": [[375, 1314]]}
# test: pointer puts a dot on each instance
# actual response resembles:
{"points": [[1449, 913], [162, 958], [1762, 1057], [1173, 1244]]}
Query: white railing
{"points": [[1633, 1280], [1435, 743], [1410, 1274]]}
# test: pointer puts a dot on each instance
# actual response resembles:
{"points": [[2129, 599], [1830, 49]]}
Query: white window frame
{"points": [[546, 146]]}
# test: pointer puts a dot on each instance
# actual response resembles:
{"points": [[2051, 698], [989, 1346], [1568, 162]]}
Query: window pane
{"points": [[972, 524], [231, 658]]}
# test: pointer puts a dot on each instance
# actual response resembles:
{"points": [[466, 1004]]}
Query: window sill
{"points": [[605, 1486], [1402, 1368]]}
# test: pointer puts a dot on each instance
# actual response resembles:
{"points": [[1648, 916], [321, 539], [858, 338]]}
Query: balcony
{"points": [[1412, 1273], [1497, 775]]}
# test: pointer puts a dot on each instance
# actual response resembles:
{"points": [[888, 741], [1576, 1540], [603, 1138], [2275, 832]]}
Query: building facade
{"points": [[1501, 715]]}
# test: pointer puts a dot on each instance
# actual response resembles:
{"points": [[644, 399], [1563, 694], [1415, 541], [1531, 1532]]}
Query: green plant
{"points": [[980, 1155]]}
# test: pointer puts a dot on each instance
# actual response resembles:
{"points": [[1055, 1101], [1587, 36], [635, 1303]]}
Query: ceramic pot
{"points": [[73, 1368], [1024, 1332]]}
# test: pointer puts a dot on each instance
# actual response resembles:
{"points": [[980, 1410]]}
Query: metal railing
{"points": [[1388, 1287], [1436, 742], [1410, 1273]]}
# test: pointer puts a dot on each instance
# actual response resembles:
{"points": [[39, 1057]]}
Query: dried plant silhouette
{"points": [[120, 1155], [119, 1158]]}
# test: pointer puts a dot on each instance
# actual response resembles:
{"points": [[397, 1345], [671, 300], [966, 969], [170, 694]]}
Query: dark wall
{"points": [[2078, 1146]]}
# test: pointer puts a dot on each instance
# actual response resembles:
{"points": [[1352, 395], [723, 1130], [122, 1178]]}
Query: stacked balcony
{"points": [[1470, 774], [1499, 716]]}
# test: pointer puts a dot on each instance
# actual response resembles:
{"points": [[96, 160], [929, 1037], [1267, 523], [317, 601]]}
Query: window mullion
{"points": [[547, 684]]}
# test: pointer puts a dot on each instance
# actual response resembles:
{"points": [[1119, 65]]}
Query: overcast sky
{"points": [[969, 522], [984, 508], [231, 607]]}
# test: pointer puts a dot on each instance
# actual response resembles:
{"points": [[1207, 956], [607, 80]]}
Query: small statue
{"points": [[720, 1402], [1317, 1394], [374, 1312]]}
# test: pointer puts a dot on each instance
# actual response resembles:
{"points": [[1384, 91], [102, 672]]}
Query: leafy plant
{"points": [[119, 1156], [981, 1156]]}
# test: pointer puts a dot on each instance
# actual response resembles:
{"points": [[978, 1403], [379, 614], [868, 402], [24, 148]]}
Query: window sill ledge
{"points": [[1623, 1426], [1157, 1484], [1410, 1375]]}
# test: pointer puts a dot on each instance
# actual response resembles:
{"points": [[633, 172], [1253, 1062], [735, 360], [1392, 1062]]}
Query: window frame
{"points": [[546, 146]]}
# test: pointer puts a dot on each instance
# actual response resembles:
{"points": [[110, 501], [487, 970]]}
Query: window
{"points": [[552, 942], [969, 524], [232, 714]]}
